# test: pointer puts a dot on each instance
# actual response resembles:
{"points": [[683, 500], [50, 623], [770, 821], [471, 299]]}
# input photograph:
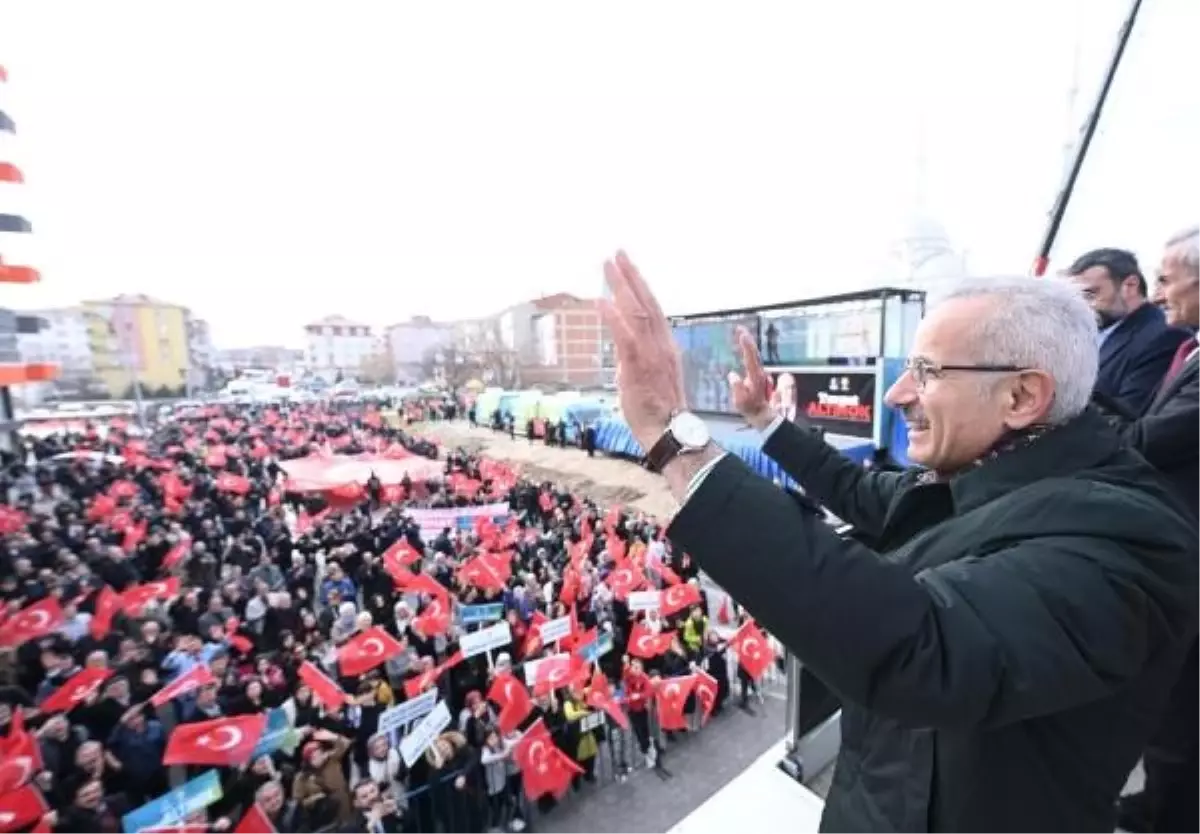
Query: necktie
{"points": [[1177, 363]]}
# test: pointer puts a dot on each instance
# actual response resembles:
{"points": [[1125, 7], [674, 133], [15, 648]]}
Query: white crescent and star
{"points": [[24, 763], [641, 642], [233, 738], [377, 643], [35, 619], [537, 755], [671, 691], [672, 597]]}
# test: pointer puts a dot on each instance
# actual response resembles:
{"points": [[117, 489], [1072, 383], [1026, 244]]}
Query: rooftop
{"points": [[132, 300], [336, 320]]}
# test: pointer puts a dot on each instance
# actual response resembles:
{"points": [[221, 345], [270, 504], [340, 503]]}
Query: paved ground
{"points": [[700, 764]]}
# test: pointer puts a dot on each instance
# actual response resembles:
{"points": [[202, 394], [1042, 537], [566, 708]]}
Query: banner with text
{"points": [[433, 522]]}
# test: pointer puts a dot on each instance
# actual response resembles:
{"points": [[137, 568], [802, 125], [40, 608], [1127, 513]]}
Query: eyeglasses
{"points": [[923, 369]]}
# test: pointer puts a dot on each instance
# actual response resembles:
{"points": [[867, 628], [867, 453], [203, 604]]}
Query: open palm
{"points": [[749, 389]]}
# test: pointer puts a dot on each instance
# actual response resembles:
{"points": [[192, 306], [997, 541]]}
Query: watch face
{"points": [[689, 430]]}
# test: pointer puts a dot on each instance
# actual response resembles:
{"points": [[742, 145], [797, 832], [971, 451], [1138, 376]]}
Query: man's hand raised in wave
{"points": [[749, 392]]}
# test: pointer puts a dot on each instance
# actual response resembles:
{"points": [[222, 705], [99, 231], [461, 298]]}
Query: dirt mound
{"points": [[605, 480]]}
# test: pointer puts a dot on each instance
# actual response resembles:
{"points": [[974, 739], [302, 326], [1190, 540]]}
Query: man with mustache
{"points": [[1134, 341], [1004, 649], [1167, 434]]}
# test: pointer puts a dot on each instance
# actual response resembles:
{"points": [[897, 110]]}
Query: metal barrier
{"points": [[814, 723], [442, 806]]}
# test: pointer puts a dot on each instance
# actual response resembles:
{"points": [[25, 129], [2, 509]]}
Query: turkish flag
{"points": [[134, 599], [134, 535], [625, 580], [195, 678], [706, 690], [175, 554], [416, 685], [480, 573], [324, 690], [435, 619], [21, 807], [677, 597], [20, 755], [753, 651], [255, 821], [724, 614], [78, 688], [401, 553], [236, 484], [600, 697], [557, 671], [512, 697], [533, 639], [107, 605], [426, 584], [222, 742], [367, 650], [31, 622], [544, 768], [646, 644], [668, 576], [671, 699]]}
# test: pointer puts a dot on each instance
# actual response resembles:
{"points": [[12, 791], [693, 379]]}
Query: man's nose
{"points": [[903, 391]]}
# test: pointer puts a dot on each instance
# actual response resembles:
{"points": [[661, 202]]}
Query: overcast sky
{"points": [[270, 163]]}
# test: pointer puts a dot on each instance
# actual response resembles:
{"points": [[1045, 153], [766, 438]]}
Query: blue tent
{"points": [[613, 436]]}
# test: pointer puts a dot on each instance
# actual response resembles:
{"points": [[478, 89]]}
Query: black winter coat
{"points": [[1003, 653]]}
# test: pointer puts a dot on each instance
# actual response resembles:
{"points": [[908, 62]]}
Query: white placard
{"points": [[423, 735], [555, 630], [531, 667], [591, 721], [492, 637], [643, 601], [396, 717]]}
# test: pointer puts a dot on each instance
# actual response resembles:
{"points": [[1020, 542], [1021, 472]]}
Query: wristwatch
{"points": [[685, 434]]}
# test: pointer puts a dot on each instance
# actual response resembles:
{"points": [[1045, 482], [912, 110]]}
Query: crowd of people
{"points": [[187, 640]]}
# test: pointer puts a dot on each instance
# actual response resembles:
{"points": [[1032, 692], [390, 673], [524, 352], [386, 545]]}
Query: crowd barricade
{"points": [[439, 808]]}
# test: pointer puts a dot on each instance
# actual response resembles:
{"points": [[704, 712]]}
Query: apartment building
{"points": [[567, 338], [139, 337], [414, 343], [336, 345], [62, 339]]}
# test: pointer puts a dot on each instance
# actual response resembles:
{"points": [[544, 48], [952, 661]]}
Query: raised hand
{"points": [[649, 377], [749, 390]]}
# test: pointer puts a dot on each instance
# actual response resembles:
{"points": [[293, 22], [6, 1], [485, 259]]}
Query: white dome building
{"points": [[923, 257]]}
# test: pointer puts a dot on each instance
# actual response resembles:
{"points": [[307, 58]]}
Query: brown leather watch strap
{"points": [[664, 451]]}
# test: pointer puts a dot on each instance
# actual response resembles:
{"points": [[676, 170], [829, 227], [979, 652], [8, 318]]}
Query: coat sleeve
{"points": [[976, 642], [1145, 371], [848, 491], [1166, 437]]}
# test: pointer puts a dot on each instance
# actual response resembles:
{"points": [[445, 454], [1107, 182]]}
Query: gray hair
{"points": [[1187, 242], [1040, 323]]}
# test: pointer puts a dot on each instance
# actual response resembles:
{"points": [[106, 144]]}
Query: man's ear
{"points": [[1030, 394]]}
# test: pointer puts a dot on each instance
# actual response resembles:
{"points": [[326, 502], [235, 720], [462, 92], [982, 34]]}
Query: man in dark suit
{"points": [[1168, 435], [1135, 343], [1002, 651]]}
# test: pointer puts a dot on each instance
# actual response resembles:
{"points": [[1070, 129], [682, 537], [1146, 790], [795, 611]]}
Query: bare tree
{"points": [[379, 369]]}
